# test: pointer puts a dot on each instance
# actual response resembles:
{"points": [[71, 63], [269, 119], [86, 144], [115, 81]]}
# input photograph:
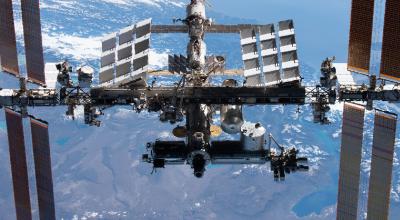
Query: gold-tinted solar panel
{"points": [[390, 63], [33, 41], [42, 158], [381, 166], [8, 46], [19, 170], [362, 15], [350, 160]]}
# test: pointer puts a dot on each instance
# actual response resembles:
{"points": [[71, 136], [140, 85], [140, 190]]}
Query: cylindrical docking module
{"points": [[231, 115], [252, 136]]}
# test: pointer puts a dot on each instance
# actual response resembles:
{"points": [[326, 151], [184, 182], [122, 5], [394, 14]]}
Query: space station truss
{"points": [[350, 160], [279, 65], [381, 165], [390, 65], [125, 55]]}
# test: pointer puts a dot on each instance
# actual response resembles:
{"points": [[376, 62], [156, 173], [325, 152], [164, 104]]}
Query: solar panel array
{"points": [[279, 65], [33, 41], [8, 46], [350, 161], [381, 163], [250, 56], [390, 65], [42, 160], [381, 166], [177, 64], [360, 39], [125, 55], [361, 34], [288, 50], [19, 169]]}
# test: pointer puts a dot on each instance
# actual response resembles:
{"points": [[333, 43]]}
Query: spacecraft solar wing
{"points": [[107, 58], [183, 64], [360, 39], [142, 48], [288, 50], [33, 41], [106, 74], [177, 60], [381, 165], [350, 160], [8, 44], [171, 64], [126, 35], [42, 160], [250, 56], [141, 64], [124, 51], [269, 54], [390, 61], [109, 42], [19, 169], [143, 28], [123, 67]]}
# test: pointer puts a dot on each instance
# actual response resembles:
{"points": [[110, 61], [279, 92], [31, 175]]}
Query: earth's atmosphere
{"points": [[97, 171]]}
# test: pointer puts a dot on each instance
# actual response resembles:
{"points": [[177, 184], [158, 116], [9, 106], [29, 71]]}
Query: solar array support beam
{"points": [[215, 28], [8, 44], [362, 15], [33, 41], [350, 160], [381, 166], [19, 169]]}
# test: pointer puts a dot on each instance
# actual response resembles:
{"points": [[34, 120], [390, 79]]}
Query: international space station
{"points": [[272, 76]]}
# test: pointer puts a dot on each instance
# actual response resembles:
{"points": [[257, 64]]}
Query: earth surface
{"points": [[98, 173]]}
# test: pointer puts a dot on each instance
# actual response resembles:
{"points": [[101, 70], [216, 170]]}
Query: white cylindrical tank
{"points": [[231, 118], [197, 52], [196, 8], [252, 136], [231, 115]]}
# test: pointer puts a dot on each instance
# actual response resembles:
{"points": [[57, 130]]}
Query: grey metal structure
{"points": [[272, 77]]}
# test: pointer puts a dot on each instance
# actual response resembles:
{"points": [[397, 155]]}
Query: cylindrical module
{"points": [[197, 50], [231, 115], [196, 9], [252, 136]]}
